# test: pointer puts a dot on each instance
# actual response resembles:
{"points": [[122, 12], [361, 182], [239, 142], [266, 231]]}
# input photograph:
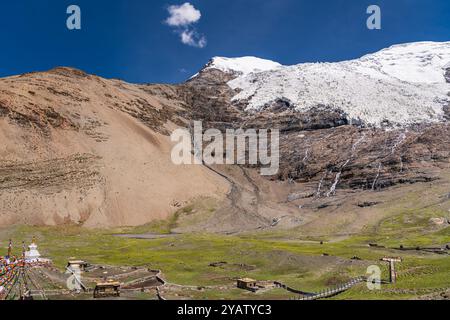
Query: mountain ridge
{"points": [[80, 149]]}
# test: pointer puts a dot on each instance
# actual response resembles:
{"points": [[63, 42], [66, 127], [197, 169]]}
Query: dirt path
{"points": [[245, 208]]}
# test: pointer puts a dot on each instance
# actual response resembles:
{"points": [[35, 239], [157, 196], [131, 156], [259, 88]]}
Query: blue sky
{"points": [[129, 39]]}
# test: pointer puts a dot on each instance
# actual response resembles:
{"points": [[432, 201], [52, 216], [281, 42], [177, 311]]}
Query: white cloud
{"points": [[191, 38], [183, 15]]}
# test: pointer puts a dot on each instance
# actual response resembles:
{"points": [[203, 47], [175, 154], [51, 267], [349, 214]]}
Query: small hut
{"points": [[77, 265], [247, 284], [108, 289]]}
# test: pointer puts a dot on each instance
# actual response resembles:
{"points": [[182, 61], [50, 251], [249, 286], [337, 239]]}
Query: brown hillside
{"points": [[76, 148]]}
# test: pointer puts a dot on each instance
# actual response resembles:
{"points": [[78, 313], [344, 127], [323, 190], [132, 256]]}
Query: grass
{"points": [[189, 215], [284, 255], [185, 259]]}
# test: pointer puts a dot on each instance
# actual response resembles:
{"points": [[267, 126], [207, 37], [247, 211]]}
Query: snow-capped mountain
{"points": [[401, 85]]}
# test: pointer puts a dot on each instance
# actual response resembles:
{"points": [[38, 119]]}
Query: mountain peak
{"points": [[68, 71], [242, 65]]}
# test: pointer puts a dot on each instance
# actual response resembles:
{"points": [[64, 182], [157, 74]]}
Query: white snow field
{"points": [[401, 85], [243, 65]]}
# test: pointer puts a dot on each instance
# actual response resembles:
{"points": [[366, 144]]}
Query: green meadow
{"points": [[303, 263]]}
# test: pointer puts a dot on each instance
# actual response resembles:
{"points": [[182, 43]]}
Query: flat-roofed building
{"points": [[247, 284], [108, 289]]}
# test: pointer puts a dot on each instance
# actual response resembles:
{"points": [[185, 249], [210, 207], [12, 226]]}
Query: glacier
{"points": [[399, 86]]}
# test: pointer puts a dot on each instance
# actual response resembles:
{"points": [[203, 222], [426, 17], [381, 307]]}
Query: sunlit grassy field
{"points": [[300, 263]]}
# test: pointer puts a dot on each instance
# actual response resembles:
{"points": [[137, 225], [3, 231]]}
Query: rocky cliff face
{"points": [[321, 148], [322, 145], [447, 74]]}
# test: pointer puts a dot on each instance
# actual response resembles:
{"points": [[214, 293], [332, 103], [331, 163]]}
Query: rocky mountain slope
{"points": [[78, 148]]}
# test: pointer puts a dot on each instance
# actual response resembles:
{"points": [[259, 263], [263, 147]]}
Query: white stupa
{"points": [[32, 255]]}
